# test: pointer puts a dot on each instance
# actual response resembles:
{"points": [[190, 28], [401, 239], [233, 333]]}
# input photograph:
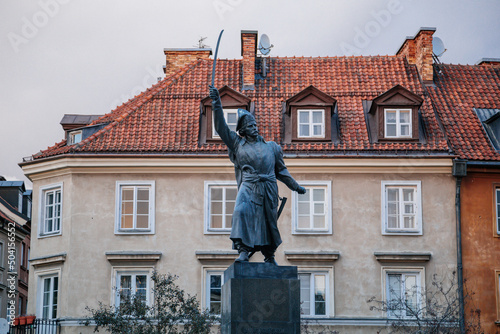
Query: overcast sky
{"points": [[87, 56]]}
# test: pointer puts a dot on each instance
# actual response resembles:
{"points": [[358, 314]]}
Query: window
{"points": [[20, 206], [49, 289], [231, 117], [50, 210], [403, 293], [1, 254], [131, 285], [314, 293], [311, 212], [311, 123], [23, 250], [28, 210], [220, 199], [497, 201], [214, 280], [75, 137], [401, 207], [398, 123], [135, 207], [497, 290]]}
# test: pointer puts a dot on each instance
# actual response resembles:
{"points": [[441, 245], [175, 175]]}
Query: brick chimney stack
{"points": [[178, 58], [418, 51], [249, 52]]}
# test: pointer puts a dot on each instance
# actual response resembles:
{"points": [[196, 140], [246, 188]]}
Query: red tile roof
{"points": [[458, 90], [165, 119]]}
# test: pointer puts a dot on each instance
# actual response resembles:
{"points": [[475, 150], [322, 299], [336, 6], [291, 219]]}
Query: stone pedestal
{"points": [[260, 298]]}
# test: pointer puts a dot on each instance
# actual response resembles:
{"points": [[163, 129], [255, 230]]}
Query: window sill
{"points": [[401, 232], [48, 235], [312, 232], [216, 232], [132, 232]]}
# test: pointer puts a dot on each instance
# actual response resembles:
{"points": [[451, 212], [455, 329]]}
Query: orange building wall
{"points": [[481, 246]]}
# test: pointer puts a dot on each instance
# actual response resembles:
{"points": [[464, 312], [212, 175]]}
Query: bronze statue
{"points": [[258, 164]]}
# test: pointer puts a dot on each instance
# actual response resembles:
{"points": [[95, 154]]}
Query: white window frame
{"points": [[118, 271], [328, 271], [28, 210], [311, 124], [226, 111], [41, 205], [398, 123], [208, 185], [40, 277], [118, 207], [328, 208], [418, 230], [419, 271], [72, 135], [207, 272], [497, 208]]}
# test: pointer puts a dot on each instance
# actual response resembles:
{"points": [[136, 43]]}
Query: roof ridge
{"points": [[138, 102]]}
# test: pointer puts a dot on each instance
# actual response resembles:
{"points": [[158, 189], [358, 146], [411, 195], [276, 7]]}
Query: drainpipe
{"points": [[459, 171]]}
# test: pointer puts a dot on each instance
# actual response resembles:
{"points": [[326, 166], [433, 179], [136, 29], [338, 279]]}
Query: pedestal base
{"points": [[260, 298]]}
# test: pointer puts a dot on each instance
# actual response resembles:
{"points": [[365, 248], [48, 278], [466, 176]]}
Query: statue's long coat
{"points": [[257, 166]]}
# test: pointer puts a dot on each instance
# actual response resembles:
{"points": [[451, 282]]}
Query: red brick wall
{"points": [[177, 59], [249, 43], [418, 51]]}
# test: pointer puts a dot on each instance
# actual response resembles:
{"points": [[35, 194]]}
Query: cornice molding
{"points": [[133, 256], [216, 255], [315, 256], [398, 257], [48, 260], [88, 165]]}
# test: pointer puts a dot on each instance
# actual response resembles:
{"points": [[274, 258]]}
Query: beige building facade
{"points": [[351, 258]]}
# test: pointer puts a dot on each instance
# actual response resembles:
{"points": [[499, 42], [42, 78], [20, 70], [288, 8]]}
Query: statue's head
{"points": [[246, 126]]}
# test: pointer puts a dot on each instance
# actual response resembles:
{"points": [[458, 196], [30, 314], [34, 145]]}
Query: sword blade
{"points": [[215, 56]]}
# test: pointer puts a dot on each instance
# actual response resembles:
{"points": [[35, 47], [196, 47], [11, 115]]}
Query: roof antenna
{"points": [[201, 45], [265, 47], [437, 49]]}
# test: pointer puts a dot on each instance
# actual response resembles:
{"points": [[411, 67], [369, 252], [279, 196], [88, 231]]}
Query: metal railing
{"points": [[39, 326]]}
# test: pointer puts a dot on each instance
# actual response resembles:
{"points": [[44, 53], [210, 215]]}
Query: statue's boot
{"points": [[269, 256], [243, 251]]}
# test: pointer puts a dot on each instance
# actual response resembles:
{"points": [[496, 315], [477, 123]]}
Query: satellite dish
{"points": [[4, 326], [437, 46], [265, 45]]}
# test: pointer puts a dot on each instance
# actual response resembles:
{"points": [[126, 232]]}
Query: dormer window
{"points": [[398, 123], [231, 102], [490, 119], [311, 123], [74, 137], [310, 116], [394, 116]]}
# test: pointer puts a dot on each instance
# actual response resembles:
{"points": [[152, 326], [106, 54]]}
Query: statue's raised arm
{"points": [[227, 136]]}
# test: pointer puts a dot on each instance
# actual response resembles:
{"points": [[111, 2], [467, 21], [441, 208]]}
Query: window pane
{"points": [[216, 222], [230, 208], [394, 293], [404, 116], [216, 208], [391, 130], [393, 208], [304, 222], [405, 130], [318, 195], [305, 293], [317, 117], [216, 194], [228, 222], [127, 221], [50, 198], [317, 130], [127, 194], [304, 131], [303, 117], [409, 222], [319, 222], [408, 195], [142, 221], [304, 197], [392, 194], [392, 222], [411, 292], [142, 208], [232, 117], [143, 194], [231, 194], [408, 208], [304, 208], [390, 117], [127, 208], [319, 208]]}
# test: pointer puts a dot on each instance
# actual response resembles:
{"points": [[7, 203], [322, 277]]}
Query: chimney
{"points": [[249, 52], [178, 58], [418, 51], [493, 62]]}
